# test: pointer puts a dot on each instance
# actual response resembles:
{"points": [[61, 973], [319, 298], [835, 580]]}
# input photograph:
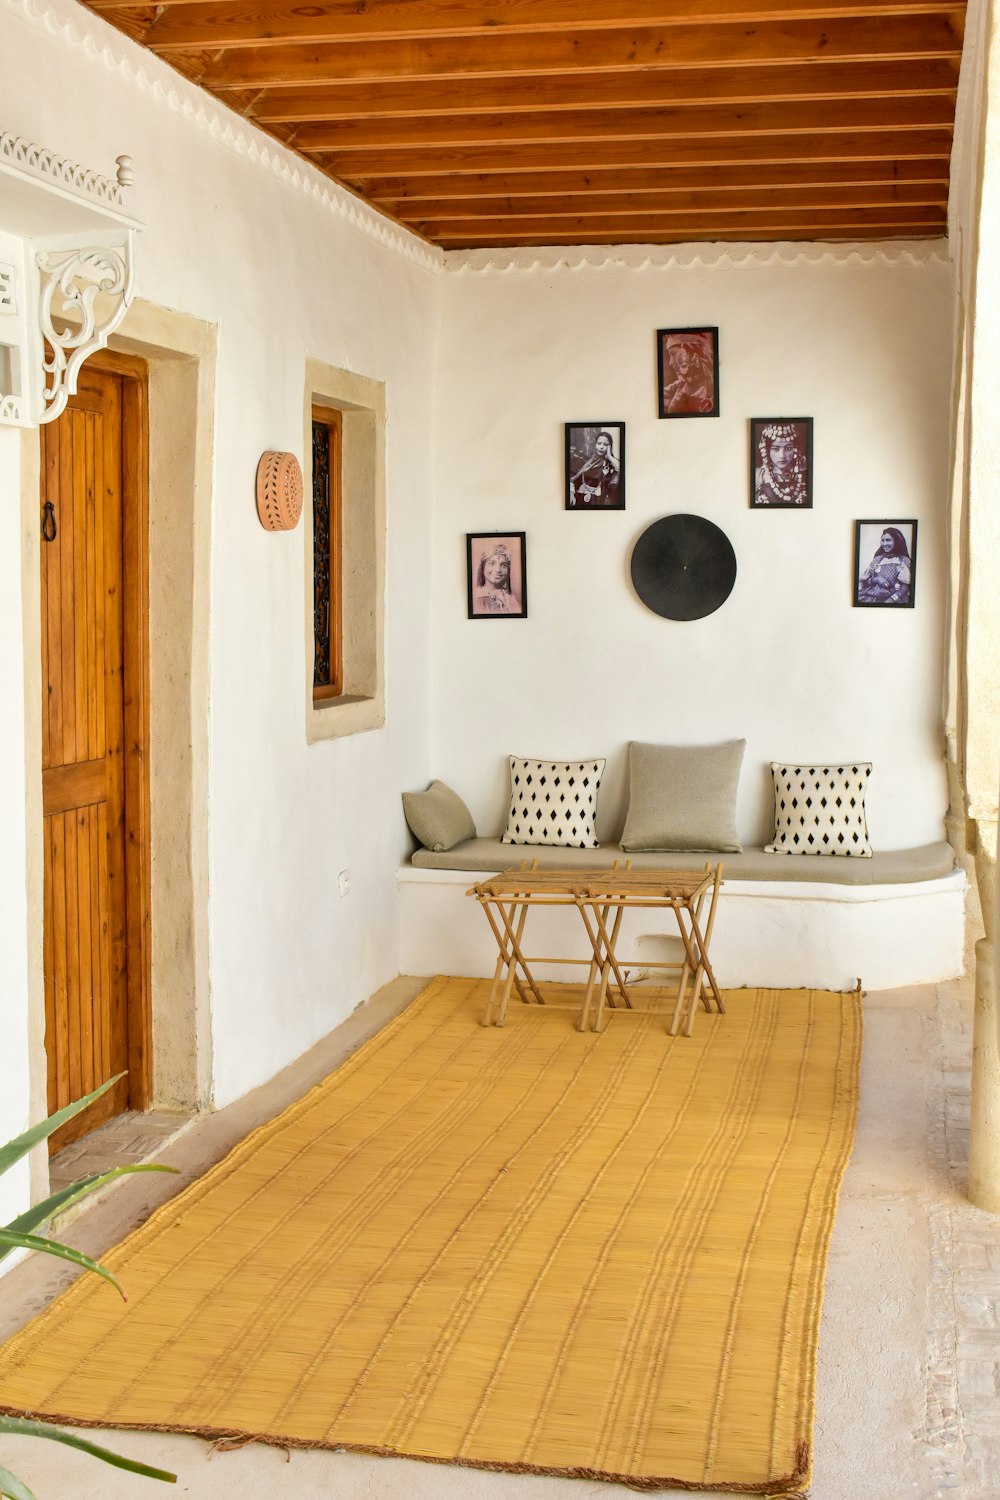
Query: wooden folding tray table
{"points": [[596, 894]]}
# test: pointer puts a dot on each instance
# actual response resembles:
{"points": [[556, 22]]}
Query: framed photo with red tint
{"points": [[688, 367]]}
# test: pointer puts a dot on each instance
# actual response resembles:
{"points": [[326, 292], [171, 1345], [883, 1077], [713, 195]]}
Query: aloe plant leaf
{"points": [[13, 1488], [19, 1241], [22, 1144], [28, 1427], [40, 1213]]}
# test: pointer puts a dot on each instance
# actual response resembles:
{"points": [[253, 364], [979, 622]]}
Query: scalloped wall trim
{"points": [[686, 257], [49, 166], [78, 28]]}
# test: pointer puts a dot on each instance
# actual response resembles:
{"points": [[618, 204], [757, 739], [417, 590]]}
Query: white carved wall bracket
{"points": [[74, 322], [67, 275]]}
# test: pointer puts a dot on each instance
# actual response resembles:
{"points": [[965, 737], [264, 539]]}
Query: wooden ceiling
{"points": [[536, 122]]}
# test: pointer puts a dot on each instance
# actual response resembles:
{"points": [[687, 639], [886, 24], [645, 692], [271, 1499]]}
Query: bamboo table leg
{"points": [[514, 932], [504, 957], [610, 962], [508, 938], [704, 973], [593, 971], [603, 958], [691, 967], [697, 966], [716, 884]]}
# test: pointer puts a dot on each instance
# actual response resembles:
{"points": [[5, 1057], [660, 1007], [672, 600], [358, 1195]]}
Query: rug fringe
{"points": [[226, 1440]]}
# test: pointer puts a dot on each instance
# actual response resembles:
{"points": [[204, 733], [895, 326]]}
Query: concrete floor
{"points": [[908, 1400]]}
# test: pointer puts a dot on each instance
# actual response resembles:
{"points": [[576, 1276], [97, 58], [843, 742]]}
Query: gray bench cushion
{"points": [[887, 867]]}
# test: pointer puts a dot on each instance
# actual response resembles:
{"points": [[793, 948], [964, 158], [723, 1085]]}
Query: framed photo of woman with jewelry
{"points": [[781, 451], [885, 561], [687, 361], [595, 466], [498, 585]]}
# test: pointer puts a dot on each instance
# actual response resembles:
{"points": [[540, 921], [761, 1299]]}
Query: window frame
{"points": [[361, 402], [332, 419]]}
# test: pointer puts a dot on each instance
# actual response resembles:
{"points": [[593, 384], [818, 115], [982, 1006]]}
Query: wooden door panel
{"points": [[83, 785]]}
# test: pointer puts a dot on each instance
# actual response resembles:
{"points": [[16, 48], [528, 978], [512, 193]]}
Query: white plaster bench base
{"points": [[767, 932]]}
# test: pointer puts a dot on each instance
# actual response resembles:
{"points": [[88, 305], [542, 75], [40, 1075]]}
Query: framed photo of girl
{"points": [[885, 563], [595, 466], [687, 362], [781, 463], [497, 578]]}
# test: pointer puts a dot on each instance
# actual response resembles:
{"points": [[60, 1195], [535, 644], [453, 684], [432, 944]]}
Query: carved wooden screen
{"points": [[328, 661]]}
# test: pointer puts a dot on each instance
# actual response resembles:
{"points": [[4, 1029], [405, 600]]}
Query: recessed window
{"points": [[328, 624], [344, 542]]}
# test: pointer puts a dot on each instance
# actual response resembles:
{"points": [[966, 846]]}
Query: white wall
{"points": [[860, 342], [14, 1080], [241, 235]]}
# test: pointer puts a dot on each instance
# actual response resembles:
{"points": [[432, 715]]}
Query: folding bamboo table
{"points": [[596, 894]]}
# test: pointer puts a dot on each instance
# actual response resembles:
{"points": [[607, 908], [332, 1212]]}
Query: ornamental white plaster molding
{"points": [[81, 30], [49, 166], [67, 274], [68, 313], [550, 258]]}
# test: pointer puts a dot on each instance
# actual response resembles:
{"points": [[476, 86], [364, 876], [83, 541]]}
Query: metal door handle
{"points": [[49, 522]]}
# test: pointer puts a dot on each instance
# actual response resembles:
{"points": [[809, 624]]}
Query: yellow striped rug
{"points": [[524, 1249]]}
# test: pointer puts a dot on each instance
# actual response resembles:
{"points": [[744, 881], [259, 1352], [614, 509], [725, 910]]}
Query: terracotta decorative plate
{"points": [[279, 491]]}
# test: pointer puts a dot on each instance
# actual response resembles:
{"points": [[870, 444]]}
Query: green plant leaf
{"points": [[41, 1212], [22, 1144], [12, 1487], [19, 1241], [27, 1427]]}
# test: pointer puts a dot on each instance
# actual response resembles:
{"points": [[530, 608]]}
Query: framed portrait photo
{"points": [[781, 463], [687, 361], [595, 466], [885, 563], [498, 585]]}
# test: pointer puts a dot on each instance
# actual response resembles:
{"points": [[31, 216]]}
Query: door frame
{"points": [[133, 375], [181, 354], [136, 758]]}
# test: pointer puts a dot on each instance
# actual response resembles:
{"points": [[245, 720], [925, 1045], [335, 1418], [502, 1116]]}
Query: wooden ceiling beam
{"points": [[849, 231], [569, 127], [860, 40], [606, 206], [616, 155], [222, 23], [634, 230], [396, 193], [621, 90]]}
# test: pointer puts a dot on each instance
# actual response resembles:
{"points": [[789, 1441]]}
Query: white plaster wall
{"points": [[860, 342], [14, 1075], [241, 240]]}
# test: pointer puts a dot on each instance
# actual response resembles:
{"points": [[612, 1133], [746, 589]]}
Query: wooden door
{"points": [[94, 745]]}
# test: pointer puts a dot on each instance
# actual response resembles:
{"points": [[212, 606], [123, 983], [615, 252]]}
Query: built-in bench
{"points": [[786, 920]]}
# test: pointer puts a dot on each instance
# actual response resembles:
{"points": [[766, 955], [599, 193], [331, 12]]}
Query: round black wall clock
{"points": [[683, 567]]}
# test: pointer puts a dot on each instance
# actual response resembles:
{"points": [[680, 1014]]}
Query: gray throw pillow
{"points": [[683, 796], [438, 818]]}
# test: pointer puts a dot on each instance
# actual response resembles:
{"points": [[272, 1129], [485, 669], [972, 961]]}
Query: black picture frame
{"points": [[790, 486], [594, 466], [687, 366], [880, 582], [490, 596]]}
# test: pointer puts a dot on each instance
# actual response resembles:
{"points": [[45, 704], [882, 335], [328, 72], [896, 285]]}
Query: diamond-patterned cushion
{"points": [[553, 802], [821, 810]]}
